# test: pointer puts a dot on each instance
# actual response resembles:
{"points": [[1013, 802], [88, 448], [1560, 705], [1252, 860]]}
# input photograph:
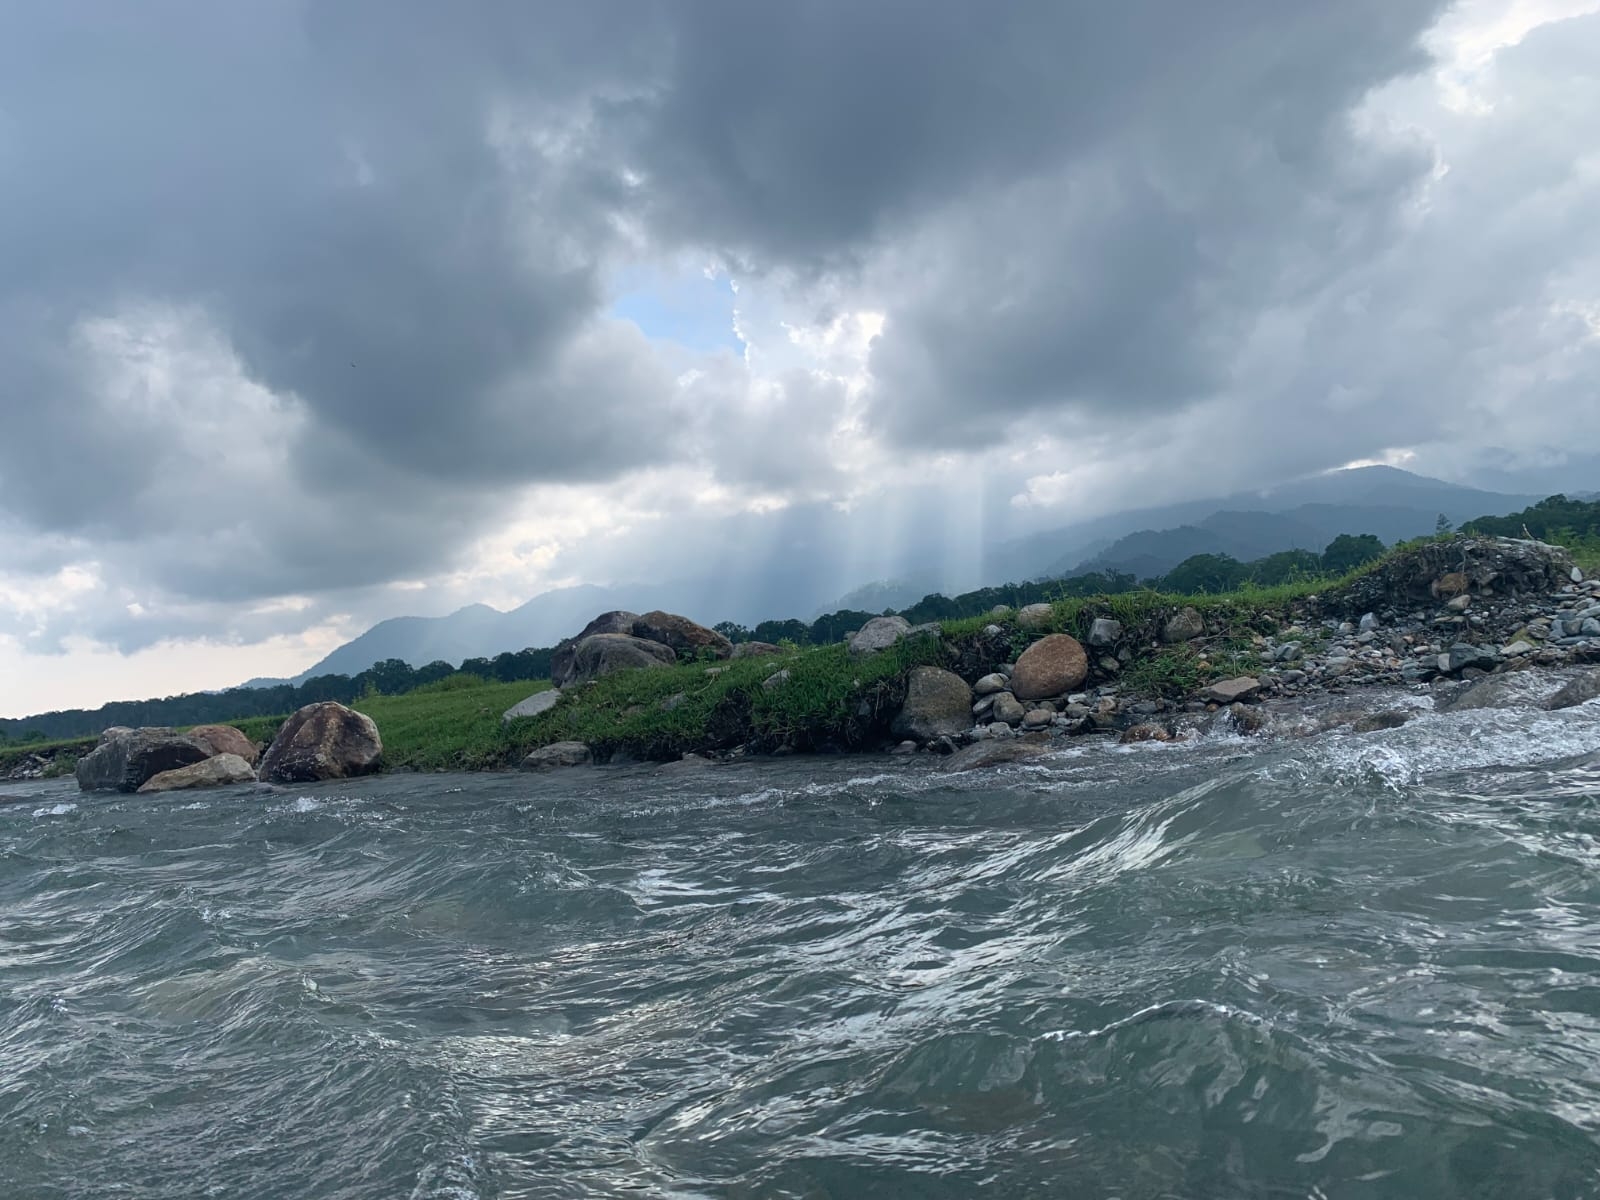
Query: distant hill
{"points": [[1398, 504], [1305, 513]]}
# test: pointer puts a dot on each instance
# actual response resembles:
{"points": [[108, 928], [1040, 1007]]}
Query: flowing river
{"points": [[1345, 966]]}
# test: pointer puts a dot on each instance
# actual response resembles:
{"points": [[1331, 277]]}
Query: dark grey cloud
{"points": [[296, 296]]}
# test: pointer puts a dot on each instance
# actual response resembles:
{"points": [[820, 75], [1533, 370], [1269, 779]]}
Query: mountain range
{"points": [[1301, 514]]}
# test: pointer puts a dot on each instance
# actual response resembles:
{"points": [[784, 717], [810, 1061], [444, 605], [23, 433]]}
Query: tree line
{"points": [[391, 677]]}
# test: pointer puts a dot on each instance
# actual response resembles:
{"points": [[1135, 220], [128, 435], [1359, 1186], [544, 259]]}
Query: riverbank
{"points": [[1439, 612]]}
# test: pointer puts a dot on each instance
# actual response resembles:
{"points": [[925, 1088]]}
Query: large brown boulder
{"points": [[617, 621], [938, 704], [217, 771], [607, 653], [323, 741], [225, 739], [126, 758], [683, 635], [1052, 666]]}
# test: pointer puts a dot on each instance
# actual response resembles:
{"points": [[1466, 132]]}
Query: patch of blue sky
{"points": [[686, 307]]}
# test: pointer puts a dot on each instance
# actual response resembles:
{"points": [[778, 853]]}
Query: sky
{"points": [[314, 313]]}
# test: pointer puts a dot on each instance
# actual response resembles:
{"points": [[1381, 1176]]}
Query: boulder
{"points": [[1105, 632], [1464, 654], [878, 634], [1183, 626], [1035, 616], [534, 705], [683, 635], [323, 741], [938, 704], [990, 684], [775, 681], [225, 739], [617, 621], [755, 650], [1227, 691], [602, 654], [1007, 709], [1052, 666], [1584, 688], [1519, 689], [126, 759], [558, 754], [991, 753], [1038, 718], [219, 770]]}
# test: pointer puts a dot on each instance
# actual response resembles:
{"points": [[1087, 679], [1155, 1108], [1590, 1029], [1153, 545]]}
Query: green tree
{"points": [[1442, 526], [1349, 551], [1209, 573]]}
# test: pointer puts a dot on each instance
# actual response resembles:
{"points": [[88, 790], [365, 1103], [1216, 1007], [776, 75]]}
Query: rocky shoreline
{"points": [[1464, 620], [1432, 619]]}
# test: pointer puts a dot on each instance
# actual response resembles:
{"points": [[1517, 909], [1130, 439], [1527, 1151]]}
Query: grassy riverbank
{"points": [[824, 699]]}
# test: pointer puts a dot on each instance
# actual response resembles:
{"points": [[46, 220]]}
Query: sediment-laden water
{"points": [[1352, 966]]}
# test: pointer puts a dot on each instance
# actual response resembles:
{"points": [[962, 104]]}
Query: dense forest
{"points": [[1572, 522]]}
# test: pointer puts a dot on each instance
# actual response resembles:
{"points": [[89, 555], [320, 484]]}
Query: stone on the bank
{"points": [[602, 654], [1576, 575], [1517, 648], [1183, 626], [1052, 666], [776, 680], [1459, 604], [126, 758], [561, 662], [1227, 691], [534, 705], [1105, 632], [686, 637], [756, 650], [1007, 708], [1038, 718], [557, 754], [1581, 690], [1369, 623], [225, 739], [1464, 654], [877, 635], [1035, 617], [938, 704], [323, 741], [990, 684], [905, 747], [992, 753], [1520, 689], [219, 770]]}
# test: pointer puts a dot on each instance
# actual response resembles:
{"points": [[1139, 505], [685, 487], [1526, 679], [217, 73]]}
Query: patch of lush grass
{"points": [[64, 752], [827, 699], [445, 726]]}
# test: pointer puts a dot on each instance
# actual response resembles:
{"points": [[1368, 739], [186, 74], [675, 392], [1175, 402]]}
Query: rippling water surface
{"points": [[1361, 966]]}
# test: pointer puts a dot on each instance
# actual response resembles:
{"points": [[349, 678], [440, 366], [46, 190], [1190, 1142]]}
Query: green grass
{"points": [[439, 727], [829, 699]]}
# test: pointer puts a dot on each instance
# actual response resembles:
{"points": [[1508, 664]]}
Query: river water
{"points": [[1363, 966]]}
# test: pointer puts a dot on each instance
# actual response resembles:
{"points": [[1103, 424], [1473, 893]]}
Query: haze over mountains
{"points": [[1305, 514]]}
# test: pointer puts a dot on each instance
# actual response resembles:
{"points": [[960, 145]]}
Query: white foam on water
{"points": [[56, 810]]}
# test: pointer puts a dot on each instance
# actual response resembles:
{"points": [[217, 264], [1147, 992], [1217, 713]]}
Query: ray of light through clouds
{"points": [[316, 313]]}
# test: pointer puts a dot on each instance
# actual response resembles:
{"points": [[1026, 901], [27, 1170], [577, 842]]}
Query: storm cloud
{"points": [[309, 300]]}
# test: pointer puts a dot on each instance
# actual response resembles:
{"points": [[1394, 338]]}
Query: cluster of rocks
{"points": [[320, 741], [626, 641], [1444, 613], [1463, 624]]}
